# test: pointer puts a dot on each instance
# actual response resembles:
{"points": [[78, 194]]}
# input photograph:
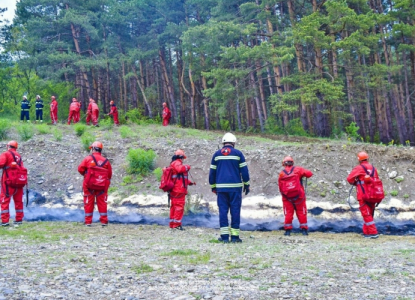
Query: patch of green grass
{"points": [[158, 172], [126, 132], [143, 268], [140, 161], [199, 259], [399, 179], [394, 193], [242, 277], [112, 189], [406, 251], [57, 133], [406, 196], [80, 129], [4, 129], [43, 129], [214, 241], [87, 139], [230, 266], [25, 131], [180, 252]]}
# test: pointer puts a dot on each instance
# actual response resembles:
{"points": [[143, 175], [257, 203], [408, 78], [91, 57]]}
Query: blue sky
{"points": [[11, 6]]}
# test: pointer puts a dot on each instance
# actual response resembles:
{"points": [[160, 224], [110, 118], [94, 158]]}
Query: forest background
{"points": [[303, 67]]}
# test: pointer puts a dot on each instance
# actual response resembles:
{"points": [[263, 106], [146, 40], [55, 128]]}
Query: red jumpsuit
{"points": [[179, 192], [73, 111], [166, 116], [78, 112], [367, 209], [299, 205], [89, 113], [114, 114], [7, 192], [90, 195], [95, 113], [54, 111]]}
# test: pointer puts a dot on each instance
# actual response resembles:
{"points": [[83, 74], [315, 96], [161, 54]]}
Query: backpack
{"points": [[372, 191], [96, 177], [16, 177], [290, 186], [167, 182]]}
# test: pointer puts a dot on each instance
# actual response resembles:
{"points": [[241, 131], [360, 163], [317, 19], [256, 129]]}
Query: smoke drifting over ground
{"points": [[386, 222]]}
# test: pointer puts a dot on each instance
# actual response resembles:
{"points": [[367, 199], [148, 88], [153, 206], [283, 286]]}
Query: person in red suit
{"points": [[366, 209], [78, 111], [179, 191], [9, 159], [95, 113], [298, 203], [93, 160], [89, 112], [114, 113], [54, 111], [166, 114], [73, 111]]}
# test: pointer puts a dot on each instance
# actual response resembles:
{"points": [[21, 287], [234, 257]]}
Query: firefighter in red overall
{"points": [[95, 113], [114, 113], [8, 161], [179, 191], [78, 110], [54, 111], [74, 108], [166, 114], [89, 112], [367, 210], [93, 160], [297, 203]]}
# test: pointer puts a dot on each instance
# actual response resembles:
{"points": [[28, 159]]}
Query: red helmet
{"points": [[180, 152], [12, 144], [361, 156], [96, 145], [111, 102], [287, 159]]}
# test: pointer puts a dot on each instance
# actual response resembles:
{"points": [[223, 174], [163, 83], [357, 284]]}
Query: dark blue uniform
{"points": [[227, 167], [39, 109], [24, 113]]}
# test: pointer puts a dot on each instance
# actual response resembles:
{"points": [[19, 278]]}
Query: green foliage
{"points": [[135, 116], [394, 193], [352, 131], [4, 129], [126, 132], [142, 268], [80, 129], [25, 131], [180, 252], [406, 196], [140, 161], [43, 129], [158, 173], [112, 189], [295, 127], [106, 124], [87, 139], [57, 134]]}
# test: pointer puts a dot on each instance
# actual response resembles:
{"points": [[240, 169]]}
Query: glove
{"points": [[214, 191], [192, 183], [246, 189]]}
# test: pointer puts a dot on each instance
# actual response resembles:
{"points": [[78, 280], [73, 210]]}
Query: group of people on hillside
{"points": [[228, 179], [92, 113]]}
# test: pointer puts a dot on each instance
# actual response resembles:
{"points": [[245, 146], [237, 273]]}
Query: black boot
{"points": [[304, 231], [179, 228], [235, 239], [287, 233], [224, 238]]}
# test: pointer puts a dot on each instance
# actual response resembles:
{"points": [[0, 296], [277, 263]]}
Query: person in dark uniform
{"points": [[25, 106], [39, 109]]}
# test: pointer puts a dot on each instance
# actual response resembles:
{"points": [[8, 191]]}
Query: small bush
{"points": [[87, 139], [106, 124], [352, 131], [4, 129], [43, 129], [25, 131], [394, 193], [57, 133], [80, 129], [143, 268], [158, 172], [140, 161], [126, 132], [406, 196], [112, 189]]}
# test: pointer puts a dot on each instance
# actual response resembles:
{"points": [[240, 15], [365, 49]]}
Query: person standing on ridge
{"points": [[54, 111], [74, 108], [10, 160], [92, 113], [357, 177], [179, 191], [291, 187], [25, 107], [114, 113], [78, 111], [97, 172], [89, 112], [227, 167], [166, 114], [39, 109]]}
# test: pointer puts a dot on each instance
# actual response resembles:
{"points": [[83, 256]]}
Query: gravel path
{"points": [[52, 260]]}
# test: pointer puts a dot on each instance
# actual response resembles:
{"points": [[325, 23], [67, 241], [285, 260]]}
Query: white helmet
{"points": [[228, 138]]}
